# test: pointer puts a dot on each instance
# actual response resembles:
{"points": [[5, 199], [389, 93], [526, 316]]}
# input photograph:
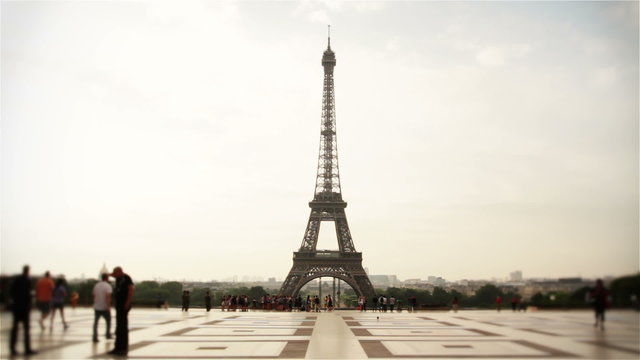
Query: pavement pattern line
{"points": [[157, 333]]}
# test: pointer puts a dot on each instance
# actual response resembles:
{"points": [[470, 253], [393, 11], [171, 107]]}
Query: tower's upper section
{"points": [[328, 177], [328, 59]]}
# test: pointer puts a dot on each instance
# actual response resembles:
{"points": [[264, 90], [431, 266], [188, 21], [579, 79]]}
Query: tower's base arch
{"points": [[308, 266]]}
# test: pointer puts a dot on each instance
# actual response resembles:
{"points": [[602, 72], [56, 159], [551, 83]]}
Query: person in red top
{"points": [[498, 303], [515, 300], [44, 294]]}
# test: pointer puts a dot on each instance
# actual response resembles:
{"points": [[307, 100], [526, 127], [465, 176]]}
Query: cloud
{"points": [[603, 77], [318, 11], [498, 55], [319, 16], [491, 56]]}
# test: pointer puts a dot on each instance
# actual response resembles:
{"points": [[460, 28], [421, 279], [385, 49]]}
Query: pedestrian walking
{"points": [[600, 298], [57, 302], [44, 294]]}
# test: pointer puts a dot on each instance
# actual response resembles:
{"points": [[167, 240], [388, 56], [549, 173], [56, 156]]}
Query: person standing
{"points": [[123, 296], [600, 297], [57, 302], [455, 303], [207, 301], [44, 294], [514, 302], [102, 305], [20, 293], [185, 300], [498, 303], [392, 303]]}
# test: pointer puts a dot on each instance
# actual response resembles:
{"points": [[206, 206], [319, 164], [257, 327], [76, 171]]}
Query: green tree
{"points": [[486, 296], [171, 291], [256, 292], [440, 296], [623, 290]]}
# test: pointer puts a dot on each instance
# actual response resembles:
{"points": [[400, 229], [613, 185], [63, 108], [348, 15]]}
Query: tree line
{"points": [[624, 292]]}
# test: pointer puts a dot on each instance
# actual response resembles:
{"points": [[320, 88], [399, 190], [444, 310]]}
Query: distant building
{"points": [[384, 281], [436, 280], [104, 270], [548, 286], [516, 275]]}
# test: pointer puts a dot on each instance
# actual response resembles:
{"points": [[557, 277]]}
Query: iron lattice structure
{"points": [[327, 206]]}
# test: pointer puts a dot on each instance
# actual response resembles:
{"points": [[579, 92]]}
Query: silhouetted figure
{"points": [[123, 296], [455, 303], [102, 305], [44, 294], [414, 303], [498, 303], [600, 296], [20, 293], [392, 303], [207, 301], [515, 300], [298, 303], [185, 300], [57, 302]]}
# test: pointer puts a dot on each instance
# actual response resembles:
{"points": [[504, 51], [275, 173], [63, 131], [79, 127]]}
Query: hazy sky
{"points": [[180, 139]]}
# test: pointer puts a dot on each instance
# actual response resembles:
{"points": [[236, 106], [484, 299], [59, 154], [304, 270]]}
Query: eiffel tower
{"points": [[327, 206]]}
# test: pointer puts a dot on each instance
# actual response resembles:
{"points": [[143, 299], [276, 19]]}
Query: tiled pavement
{"points": [[171, 334]]}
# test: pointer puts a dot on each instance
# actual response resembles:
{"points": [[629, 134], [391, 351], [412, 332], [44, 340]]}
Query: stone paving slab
{"points": [[172, 334]]}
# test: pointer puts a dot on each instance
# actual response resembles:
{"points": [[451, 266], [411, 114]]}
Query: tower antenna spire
{"points": [[329, 35]]}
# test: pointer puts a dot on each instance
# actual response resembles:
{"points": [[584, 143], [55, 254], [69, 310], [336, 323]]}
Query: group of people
{"points": [[233, 302], [381, 303], [50, 296], [266, 302], [277, 302]]}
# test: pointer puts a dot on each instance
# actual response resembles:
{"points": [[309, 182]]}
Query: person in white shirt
{"points": [[102, 305]]}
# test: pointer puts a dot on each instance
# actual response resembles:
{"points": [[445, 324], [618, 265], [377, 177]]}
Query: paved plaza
{"points": [[172, 334]]}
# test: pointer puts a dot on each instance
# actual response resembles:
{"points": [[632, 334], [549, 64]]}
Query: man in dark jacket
{"points": [[123, 295], [21, 307]]}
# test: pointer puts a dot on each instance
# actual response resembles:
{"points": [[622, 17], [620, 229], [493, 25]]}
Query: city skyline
{"points": [[180, 140]]}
